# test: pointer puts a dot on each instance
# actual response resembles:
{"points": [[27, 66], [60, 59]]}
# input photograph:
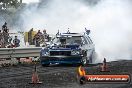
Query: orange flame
{"points": [[81, 71]]}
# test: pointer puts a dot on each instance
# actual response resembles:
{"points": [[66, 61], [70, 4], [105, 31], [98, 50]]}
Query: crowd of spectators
{"points": [[6, 39]]}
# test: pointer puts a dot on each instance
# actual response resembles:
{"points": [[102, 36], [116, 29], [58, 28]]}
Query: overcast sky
{"points": [[29, 1]]}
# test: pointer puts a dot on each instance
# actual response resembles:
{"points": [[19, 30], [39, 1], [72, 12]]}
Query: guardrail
{"points": [[20, 52]]}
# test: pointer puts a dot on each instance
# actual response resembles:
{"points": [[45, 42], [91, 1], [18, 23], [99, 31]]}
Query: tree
{"points": [[4, 4]]}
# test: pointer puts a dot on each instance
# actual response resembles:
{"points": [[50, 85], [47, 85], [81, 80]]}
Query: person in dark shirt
{"points": [[37, 38], [4, 28], [16, 42], [6, 36], [1, 35], [1, 38], [39, 33]]}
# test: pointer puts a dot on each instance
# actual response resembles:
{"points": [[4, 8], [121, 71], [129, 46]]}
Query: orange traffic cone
{"points": [[104, 67], [35, 78]]}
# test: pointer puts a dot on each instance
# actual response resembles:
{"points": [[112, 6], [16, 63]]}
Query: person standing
{"points": [[37, 38], [1, 39], [46, 36], [4, 27], [16, 42], [5, 34]]}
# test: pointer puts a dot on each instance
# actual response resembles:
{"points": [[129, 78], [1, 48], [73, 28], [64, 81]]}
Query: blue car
{"points": [[68, 48]]}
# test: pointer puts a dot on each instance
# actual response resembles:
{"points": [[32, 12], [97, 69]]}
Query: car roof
{"points": [[70, 35]]}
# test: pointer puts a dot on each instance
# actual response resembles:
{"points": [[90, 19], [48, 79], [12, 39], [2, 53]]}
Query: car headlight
{"points": [[75, 52]]}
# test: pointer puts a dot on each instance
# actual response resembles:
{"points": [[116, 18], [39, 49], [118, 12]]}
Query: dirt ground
{"points": [[60, 76]]}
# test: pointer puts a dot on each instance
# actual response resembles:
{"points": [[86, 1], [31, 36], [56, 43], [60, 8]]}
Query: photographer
{"points": [[16, 42]]}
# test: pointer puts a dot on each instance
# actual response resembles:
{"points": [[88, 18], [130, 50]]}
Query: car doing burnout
{"points": [[68, 48]]}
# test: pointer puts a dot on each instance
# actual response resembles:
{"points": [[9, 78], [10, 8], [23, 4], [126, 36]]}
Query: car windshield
{"points": [[68, 40]]}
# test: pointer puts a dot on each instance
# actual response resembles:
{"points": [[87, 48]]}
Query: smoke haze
{"points": [[110, 22]]}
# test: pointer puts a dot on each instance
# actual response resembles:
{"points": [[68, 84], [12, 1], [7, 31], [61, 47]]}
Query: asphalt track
{"points": [[59, 76]]}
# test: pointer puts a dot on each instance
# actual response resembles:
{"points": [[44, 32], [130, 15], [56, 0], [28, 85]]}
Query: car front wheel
{"points": [[84, 62]]}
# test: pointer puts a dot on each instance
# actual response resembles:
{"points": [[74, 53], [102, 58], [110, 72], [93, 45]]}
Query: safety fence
{"points": [[19, 52]]}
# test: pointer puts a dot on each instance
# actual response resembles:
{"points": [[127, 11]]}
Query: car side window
{"points": [[77, 41]]}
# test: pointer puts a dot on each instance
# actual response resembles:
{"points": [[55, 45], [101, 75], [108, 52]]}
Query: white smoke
{"points": [[110, 22], [112, 28], [30, 1]]}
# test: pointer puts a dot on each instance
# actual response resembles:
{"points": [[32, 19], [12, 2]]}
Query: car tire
{"points": [[84, 61]]}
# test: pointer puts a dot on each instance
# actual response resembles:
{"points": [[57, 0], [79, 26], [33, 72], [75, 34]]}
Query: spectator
{"points": [[37, 38], [39, 33], [4, 28], [16, 42], [6, 36], [1, 35], [10, 39], [46, 36], [1, 38]]}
